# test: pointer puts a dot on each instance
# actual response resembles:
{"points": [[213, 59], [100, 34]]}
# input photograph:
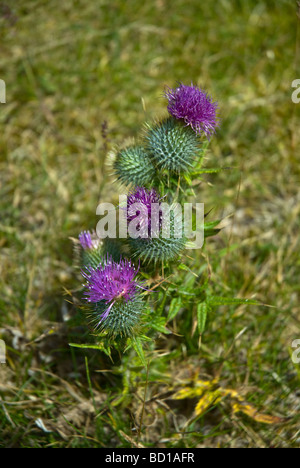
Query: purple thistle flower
{"points": [[111, 282], [144, 204], [88, 240], [194, 106]]}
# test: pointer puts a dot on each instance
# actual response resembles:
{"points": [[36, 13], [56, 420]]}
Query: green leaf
{"points": [[100, 347], [210, 228], [84, 346], [211, 224], [182, 266], [211, 232], [188, 179], [161, 306], [202, 310], [213, 170], [216, 300], [175, 306], [138, 347], [183, 292], [145, 338], [158, 324]]}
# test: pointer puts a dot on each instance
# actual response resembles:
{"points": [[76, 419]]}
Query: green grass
{"points": [[71, 66]]}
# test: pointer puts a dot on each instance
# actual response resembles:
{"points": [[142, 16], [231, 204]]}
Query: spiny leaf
{"points": [[212, 170], [202, 310], [210, 228], [158, 324], [161, 306], [211, 224], [175, 306], [211, 232], [184, 267], [216, 300], [187, 179], [138, 347], [145, 338], [100, 347]]}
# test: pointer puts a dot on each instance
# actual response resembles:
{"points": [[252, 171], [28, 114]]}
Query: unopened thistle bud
{"points": [[133, 166], [173, 145]]}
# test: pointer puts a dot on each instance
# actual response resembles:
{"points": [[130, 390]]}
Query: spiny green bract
{"points": [[172, 145], [92, 257], [133, 166], [123, 318], [170, 242], [157, 250]]}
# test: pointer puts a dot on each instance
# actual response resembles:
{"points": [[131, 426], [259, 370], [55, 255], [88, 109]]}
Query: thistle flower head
{"points": [[111, 287], [194, 106], [141, 204]]}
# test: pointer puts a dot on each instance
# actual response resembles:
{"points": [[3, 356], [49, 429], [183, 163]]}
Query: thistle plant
{"points": [[156, 172]]}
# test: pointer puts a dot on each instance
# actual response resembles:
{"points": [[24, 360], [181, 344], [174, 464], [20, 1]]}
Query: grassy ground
{"points": [[71, 67]]}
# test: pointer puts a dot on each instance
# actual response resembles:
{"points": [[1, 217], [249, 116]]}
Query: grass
{"points": [[71, 68]]}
